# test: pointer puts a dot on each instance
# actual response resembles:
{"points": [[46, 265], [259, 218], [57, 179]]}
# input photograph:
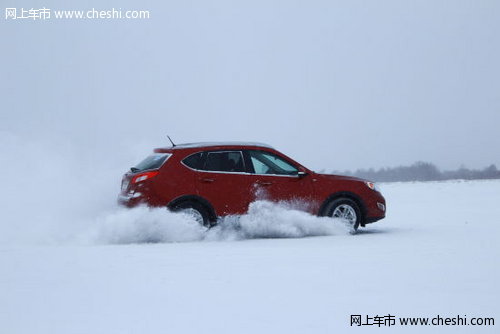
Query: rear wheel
{"points": [[196, 210], [347, 210]]}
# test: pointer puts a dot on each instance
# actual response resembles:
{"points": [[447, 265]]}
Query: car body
{"points": [[212, 180]]}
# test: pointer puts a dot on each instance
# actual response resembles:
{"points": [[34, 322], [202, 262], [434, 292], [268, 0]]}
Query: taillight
{"points": [[144, 176]]}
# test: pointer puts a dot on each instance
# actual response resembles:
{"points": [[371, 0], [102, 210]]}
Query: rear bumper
{"points": [[130, 200]]}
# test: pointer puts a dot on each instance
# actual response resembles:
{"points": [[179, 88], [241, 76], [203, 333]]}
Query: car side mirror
{"points": [[301, 174]]}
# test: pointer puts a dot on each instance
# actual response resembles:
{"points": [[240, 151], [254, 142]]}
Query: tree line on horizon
{"points": [[423, 171]]}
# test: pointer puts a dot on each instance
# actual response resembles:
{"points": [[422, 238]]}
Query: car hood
{"points": [[341, 177]]}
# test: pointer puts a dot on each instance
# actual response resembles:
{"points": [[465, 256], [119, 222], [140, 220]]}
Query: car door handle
{"points": [[207, 180], [265, 183]]}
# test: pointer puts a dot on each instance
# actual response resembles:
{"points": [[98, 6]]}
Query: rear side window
{"points": [[225, 161], [154, 161], [194, 161]]}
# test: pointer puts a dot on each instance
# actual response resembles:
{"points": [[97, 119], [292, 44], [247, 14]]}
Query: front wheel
{"points": [[347, 210]]}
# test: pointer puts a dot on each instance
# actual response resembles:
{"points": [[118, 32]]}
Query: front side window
{"points": [[225, 161], [268, 163]]}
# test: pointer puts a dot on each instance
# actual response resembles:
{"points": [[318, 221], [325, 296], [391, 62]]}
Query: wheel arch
{"points": [[194, 199], [344, 194]]}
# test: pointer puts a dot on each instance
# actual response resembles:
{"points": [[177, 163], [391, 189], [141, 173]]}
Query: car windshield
{"points": [[154, 161]]}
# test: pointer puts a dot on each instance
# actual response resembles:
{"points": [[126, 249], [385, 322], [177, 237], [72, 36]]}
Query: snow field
{"points": [[435, 253]]}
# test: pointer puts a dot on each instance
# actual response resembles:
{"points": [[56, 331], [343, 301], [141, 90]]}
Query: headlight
{"points": [[372, 186]]}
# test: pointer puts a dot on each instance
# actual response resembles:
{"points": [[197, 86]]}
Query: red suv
{"points": [[212, 180]]}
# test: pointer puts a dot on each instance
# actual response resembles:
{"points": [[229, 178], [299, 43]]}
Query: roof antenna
{"points": [[173, 145]]}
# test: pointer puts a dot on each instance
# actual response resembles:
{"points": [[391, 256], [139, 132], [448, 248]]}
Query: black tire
{"points": [[197, 210], [345, 208]]}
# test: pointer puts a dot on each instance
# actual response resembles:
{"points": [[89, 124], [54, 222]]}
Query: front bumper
{"points": [[369, 220], [377, 211]]}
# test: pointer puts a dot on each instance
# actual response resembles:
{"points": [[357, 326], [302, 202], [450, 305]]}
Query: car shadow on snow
{"points": [[363, 231]]}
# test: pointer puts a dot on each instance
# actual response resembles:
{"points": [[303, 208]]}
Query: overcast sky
{"points": [[334, 84]]}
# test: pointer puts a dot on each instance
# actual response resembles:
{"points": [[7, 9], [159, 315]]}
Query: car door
{"points": [[225, 183], [276, 179]]}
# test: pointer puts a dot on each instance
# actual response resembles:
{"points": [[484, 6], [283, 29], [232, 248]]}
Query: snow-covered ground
{"points": [[149, 271]]}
